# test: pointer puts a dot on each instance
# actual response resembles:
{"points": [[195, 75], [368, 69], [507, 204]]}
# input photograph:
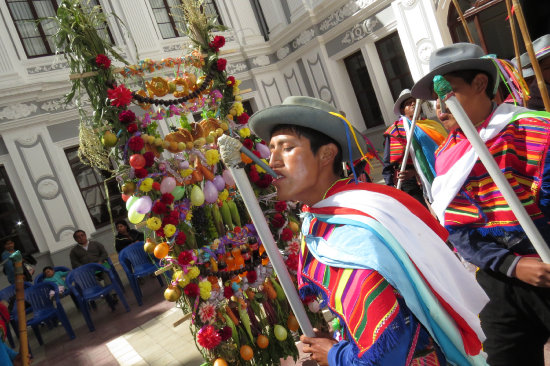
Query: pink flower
{"points": [[221, 64], [102, 61], [207, 312], [120, 96]]}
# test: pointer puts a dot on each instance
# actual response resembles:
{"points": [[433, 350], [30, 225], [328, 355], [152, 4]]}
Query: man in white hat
{"points": [[541, 46], [482, 226], [427, 132], [374, 255]]}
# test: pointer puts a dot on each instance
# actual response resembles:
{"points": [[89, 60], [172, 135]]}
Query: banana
{"points": [[226, 215], [234, 212]]}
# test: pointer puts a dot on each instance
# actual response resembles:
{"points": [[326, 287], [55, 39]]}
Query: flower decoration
{"points": [[207, 312], [153, 223], [278, 221], [141, 173], [169, 230], [286, 234], [126, 116], [167, 198], [146, 185], [205, 288], [131, 128], [184, 258], [191, 290], [226, 333], [217, 43], [227, 292], [280, 206], [149, 160], [102, 61], [221, 64], [136, 143], [243, 118], [208, 337], [181, 238], [193, 273], [120, 96], [159, 208], [212, 157]]}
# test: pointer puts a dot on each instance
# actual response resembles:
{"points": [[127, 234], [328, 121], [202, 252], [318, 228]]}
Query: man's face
{"points": [[545, 69], [9, 246], [407, 108], [81, 238], [447, 119], [297, 166]]}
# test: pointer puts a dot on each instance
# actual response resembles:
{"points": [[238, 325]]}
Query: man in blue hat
{"points": [[482, 226], [369, 251]]}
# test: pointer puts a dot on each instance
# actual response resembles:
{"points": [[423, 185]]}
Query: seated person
{"points": [[126, 236], [57, 277]]}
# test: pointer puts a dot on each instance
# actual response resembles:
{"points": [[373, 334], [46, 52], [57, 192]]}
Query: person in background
{"points": [[541, 46], [125, 235], [9, 268], [57, 277], [8, 357], [86, 251]]}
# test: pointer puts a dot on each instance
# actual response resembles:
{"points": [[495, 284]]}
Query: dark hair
{"points": [[76, 232], [469, 75], [46, 268], [316, 140], [122, 222], [7, 241]]}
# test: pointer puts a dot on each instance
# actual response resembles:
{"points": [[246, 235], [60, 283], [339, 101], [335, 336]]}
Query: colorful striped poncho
{"points": [[428, 135], [465, 194], [401, 243]]}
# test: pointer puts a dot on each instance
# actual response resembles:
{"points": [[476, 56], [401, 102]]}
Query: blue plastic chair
{"points": [[40, 277], [137, 264], [115, 274], [43, 309], [8, 294], [83, 282]]}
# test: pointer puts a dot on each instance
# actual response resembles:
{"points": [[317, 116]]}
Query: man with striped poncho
{"points": [[482, 226], [374, 255]]}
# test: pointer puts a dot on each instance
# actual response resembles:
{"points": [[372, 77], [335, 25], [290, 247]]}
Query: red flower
{"points": [[160, 232], [141, 173], [227, 292], [170, 220], [225, 333], [286, 234], [278, 221], [126, 116], [264, 181], [217, 43], [167, 198], [248, 143], [159, 208], [292, 262], [191, 290], [257, 153], [280, 206], [132, 127], [243, 118], [251, 276], [221, 64], [149, 161], [102, 61], [254, 176], [208, 337], [120, 96], [156, 185], [184, 258], [136, 143], [181, 238], [230, 80]]}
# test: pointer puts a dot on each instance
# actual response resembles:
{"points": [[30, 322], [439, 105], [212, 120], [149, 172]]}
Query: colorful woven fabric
{"points": [[398, 141], [517, 149]]}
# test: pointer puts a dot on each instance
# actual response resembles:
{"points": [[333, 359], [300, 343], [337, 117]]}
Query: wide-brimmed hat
{"points": [[541, 46], [456, 57], [403, 96], [312, 113], [525, 71]]}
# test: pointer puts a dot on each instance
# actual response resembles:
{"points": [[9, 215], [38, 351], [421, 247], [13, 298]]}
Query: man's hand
{"points": [[533, 271], [406, 174], [318, 346]]}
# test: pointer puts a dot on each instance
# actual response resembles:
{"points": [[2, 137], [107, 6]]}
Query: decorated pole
{"points": [[17, 260], [444, 91], [463, 20], [409, 142], [514, 36], [230, 150], [532, 56]]}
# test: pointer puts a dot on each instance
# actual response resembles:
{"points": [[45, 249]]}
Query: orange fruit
{"points": [[246, 352], [220, 362], [161, 250], [262, 341], [292, 323]]}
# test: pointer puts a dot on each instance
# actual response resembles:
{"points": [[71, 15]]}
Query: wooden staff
{"points": [[514, 36], [410, 136], [20, 303], [532, 56], [463, 20]]}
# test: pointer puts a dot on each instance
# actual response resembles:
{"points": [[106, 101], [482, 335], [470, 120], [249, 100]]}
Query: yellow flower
{"points": [[239, 109], [244, 132], [223, 195], [259, 169], [146, 185], [186, 172], [212, 157], [183, 281], [193, 272], [205, 287], [169, 230], [189, 216], [154, 223]]}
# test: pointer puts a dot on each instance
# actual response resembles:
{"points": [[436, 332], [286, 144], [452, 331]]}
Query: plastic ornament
{"points": [[178, 193], [210, 192], [161, 250], [135, 217], [125, 197], [228, 178], [280, 332], [183, 164], [219, 182], [143, 205], [263, 150], [137, 161], [130, 202], [197, 196], [167, 185]]}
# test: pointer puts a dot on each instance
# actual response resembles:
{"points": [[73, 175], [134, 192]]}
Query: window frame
{"points": [[383, 62]]}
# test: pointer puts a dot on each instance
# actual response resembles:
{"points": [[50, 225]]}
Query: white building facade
{"points": [[355, 54]]}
